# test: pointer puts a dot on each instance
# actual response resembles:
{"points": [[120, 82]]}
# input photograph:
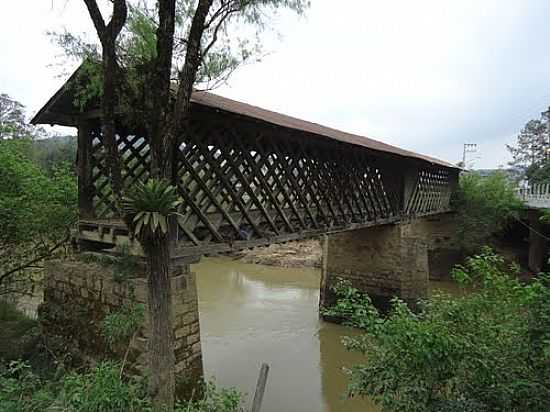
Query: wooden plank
{"points": [[260, 388]]}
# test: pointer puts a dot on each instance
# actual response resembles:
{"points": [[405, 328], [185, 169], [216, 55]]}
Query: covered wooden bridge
{"points": [[249, 176]]}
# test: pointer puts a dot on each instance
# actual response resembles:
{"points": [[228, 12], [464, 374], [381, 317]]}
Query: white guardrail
{"points": [[536, 196]]}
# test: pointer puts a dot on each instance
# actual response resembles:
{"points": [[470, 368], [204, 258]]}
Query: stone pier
{"points": [[383, 261], [78, 295]]}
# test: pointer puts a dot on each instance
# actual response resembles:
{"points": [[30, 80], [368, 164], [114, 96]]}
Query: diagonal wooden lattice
{"points": [[134, 153], [432, 192], [248, 182]]}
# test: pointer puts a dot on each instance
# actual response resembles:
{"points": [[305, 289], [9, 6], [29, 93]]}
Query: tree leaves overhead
{"points": [[231, 37]]}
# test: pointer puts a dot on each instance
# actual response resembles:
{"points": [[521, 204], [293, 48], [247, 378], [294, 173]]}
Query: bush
{"points": [[489, 349], [102, 389], [485, 206], [22, 390], [213, 400]]}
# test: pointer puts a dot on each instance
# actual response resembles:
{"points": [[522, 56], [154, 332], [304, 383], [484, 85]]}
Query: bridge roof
{"points": [[61, 110]]}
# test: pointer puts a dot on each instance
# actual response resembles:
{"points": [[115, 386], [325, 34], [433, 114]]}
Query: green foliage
{"points": [[484, 205], [23, 391], [353, 308], [148, 207], [12, 119], [119, 327], [124, 265], [140, 41], [36, 208], [103, 390], [213, 400], [531, 154], [485, 351], [55, 152]]}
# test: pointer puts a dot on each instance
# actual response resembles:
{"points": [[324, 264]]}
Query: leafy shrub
{"points": [[213, 400], [102, 389], [36, 211], [22, 390], [485, 206], [119, 326], [489, 348]]}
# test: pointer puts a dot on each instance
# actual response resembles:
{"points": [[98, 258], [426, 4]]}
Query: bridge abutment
{"points": [[78, 295], [383, 261]]}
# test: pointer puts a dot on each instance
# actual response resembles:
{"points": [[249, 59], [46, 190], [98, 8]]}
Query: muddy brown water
{"points": [[251, 314]]}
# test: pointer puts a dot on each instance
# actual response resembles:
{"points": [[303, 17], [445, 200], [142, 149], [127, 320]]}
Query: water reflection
{"points": [[252, 314]]}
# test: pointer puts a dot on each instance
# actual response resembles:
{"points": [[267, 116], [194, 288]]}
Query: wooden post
{"points": [[84, 171], [324, 273], [260, 388]]}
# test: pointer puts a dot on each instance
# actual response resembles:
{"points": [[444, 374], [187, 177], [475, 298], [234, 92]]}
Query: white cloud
{"points": [[426, 75]]}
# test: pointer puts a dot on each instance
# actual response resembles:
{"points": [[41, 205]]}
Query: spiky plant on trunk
{"points": [[147, 209]]}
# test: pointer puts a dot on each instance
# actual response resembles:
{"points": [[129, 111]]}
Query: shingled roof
{"points": [[60, 110]]}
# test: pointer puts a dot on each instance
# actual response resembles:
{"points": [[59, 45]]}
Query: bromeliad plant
{"points": [[148, 206]]}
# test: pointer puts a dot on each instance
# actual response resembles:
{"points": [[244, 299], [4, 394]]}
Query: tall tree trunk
{"points": [[108, 35], [161, 147], [161, 340], [181, 115]]}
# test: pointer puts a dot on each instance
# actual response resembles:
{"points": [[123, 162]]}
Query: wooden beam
{"points": [[84, 171]]}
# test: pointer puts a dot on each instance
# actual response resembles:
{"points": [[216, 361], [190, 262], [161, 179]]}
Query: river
{"points": [[251, 314]]}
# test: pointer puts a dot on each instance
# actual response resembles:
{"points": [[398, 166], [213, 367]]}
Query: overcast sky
{"points": [[426, 75]]}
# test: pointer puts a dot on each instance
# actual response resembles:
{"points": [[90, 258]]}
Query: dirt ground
{"points": [[305, 253]]}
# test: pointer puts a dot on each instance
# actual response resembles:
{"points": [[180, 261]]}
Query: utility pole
{"points": [[468, 148]]}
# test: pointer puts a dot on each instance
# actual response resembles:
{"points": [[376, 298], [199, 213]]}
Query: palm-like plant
{"points": [[148, 206]]}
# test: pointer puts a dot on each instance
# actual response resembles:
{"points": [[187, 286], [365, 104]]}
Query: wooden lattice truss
{"points": [[243, 181]]}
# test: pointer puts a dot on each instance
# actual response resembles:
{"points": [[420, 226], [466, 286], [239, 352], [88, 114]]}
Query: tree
{"points": [[12, 120], [36, 211], [531, 154], [484, 207], [192, 40]]}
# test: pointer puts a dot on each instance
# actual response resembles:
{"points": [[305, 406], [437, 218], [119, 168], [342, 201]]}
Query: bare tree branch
{"points": [[31, 262], [97, 18], [219, 25]]}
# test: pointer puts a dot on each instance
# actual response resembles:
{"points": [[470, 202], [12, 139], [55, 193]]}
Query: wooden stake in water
{"points": [[260, 388]]}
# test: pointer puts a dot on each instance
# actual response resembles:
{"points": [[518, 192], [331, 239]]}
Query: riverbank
{"points": [[300, 254]]}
